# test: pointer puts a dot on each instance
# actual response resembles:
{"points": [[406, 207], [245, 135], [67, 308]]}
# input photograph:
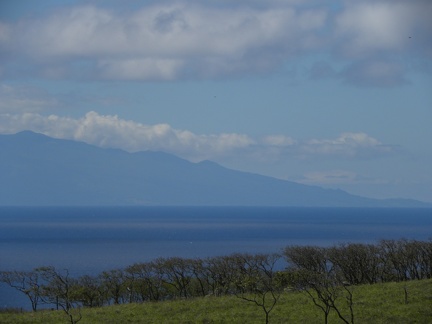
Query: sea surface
{"points": [[88, 240]]}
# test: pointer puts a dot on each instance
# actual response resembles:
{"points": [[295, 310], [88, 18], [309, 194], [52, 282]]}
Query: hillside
{"points": [[39, 170], [379, 303]]}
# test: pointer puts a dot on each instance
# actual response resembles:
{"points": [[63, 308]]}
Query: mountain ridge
{"points": [[40, 170]]}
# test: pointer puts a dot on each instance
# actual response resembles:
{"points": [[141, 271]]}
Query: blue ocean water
{"points": [[88, 240]]}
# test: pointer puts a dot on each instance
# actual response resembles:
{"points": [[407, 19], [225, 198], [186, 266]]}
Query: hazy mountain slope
{"points": [[39, 170]]}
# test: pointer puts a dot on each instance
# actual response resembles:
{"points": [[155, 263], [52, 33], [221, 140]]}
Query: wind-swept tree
{"points": [[357, 263], [221, 272], [88, 291], [59, 290], [314, 274], [200, 283], [146, 281], [27, 282], [256, 281], [177, 273], [327, 293], [311, 258], [113, 284]]}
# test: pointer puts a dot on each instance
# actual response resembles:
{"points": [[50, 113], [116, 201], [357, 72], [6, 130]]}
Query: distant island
{"points": [[40, 170]]}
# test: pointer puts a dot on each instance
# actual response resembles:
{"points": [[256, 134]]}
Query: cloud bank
{"points": [[110, 131], [338, 177], [375, 41]]}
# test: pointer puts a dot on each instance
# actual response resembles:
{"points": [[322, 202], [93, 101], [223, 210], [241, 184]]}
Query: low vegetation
{"points": [[388, 282], [379, 303]]}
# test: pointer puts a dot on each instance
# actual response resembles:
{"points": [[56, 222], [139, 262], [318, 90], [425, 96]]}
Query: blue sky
{"points": [[330, 93]]}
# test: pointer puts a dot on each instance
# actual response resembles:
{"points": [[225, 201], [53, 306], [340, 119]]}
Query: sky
{"points": [[333, 93]]}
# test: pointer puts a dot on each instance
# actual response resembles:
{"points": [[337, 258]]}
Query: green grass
{"points": [[381, 303]]}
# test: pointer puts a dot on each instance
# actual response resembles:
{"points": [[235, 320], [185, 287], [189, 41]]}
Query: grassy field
{"points": [[380, 303]]}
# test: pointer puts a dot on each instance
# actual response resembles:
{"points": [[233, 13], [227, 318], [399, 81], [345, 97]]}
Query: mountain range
{"points": [[39, 170]]}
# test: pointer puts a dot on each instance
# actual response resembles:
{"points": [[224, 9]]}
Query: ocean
{"points": [[89, 240]]}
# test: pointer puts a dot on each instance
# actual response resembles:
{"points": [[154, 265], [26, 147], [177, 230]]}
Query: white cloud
{"points": [[382, 40], [370, 26], [163, 40], [168, 40], [347, 145], [279, 140], [114, 132], [337, 177], [329, 177]]}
